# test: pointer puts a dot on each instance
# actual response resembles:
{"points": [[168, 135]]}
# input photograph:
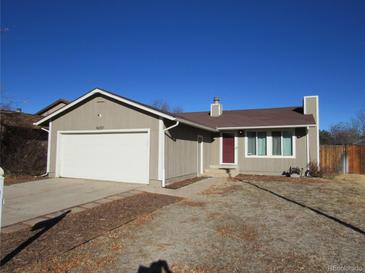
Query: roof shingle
{"points": [[252, 117]]}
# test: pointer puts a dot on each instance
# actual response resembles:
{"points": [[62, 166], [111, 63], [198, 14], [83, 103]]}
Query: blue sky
{"points": [[250, 53]]}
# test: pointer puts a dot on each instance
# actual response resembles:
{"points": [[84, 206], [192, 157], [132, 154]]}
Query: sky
{"points": [[252, 54]]}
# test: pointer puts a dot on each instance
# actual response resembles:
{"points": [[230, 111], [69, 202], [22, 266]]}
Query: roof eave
{"points": [[259, 127], [193, 124]]}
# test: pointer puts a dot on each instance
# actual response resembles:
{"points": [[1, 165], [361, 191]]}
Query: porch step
{"points": [[220, 172]]}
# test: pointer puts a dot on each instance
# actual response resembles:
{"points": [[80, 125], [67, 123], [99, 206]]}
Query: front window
{"points": [[261, 143], [256, 143], [251, 143], [276, 143], [287, 143], [270, 143]]}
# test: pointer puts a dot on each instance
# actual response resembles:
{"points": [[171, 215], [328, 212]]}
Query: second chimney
{"points": [[216, 108]]}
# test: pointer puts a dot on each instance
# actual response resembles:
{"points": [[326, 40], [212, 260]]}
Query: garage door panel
{"points": [[105, 156]]}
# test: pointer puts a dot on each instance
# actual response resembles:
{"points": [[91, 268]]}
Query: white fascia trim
{"points": [[318, 156], [49, 147], [264, 127], [307, 146], [161, 140], [99, 91], [196, 125]]}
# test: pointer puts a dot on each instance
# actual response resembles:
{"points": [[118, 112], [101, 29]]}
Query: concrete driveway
{"points": [[29, 200]]}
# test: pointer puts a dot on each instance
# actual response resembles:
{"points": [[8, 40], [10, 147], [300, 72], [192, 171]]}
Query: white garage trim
{"points": [[78, 132]]}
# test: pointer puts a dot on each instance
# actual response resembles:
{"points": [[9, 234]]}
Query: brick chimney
{"points": [[216, 108]]}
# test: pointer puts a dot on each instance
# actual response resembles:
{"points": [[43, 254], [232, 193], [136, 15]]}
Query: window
{"points": [[251, 143], [287, 143], [275, 143], [256, 143], [261, 143]]}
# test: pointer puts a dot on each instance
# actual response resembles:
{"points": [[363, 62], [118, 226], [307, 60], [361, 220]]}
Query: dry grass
{"points": [[351, 178], [76, 229], [240, 231], [192, 203], [265, 178], [222, 190]]}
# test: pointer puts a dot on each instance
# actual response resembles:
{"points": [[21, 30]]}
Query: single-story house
{"points": [[104, 136]]}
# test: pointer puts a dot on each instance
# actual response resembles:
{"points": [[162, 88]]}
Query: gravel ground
{"points": [[235, 226]]}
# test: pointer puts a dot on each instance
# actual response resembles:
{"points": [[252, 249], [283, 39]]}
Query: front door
{"points": [[228, 148]]}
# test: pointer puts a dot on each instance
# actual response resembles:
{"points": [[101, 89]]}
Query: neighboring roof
{"points": [[55, 103], [273, 117]]}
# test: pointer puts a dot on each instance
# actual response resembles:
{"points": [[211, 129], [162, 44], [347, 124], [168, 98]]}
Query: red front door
{"points": [[228, 148]]}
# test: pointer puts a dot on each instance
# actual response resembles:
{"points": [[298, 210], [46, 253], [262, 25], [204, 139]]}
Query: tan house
{"points": [[105, 136]]}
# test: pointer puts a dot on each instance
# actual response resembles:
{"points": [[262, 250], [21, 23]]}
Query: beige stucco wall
{"points": [[181, 155], [313, 135], [114, 115], [269, 165], [215, 149], [311, 107], [274, 166]]}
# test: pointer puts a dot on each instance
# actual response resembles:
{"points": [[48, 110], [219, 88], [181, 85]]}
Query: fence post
{"points": [[1, 193]]}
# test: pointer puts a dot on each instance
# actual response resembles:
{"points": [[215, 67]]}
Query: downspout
{"points": [[47, 171], [307, 140], [163, 153]]}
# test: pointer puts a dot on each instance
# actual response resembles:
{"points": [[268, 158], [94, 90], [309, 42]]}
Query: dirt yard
{"points": [[10, 180], [250, 224]]}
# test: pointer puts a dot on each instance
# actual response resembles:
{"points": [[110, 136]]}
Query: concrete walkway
{"points": [[29, 200], [188, 191]]}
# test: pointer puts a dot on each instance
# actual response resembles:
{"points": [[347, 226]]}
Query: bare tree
{"points": [[359, 122], [165, 106], [177, 109], [161, 104], [344, 133]]}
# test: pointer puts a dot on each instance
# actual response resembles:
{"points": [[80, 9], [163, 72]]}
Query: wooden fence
{"points": [[342, 159]]}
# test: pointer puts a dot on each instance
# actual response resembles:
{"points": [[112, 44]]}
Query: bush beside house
{"points": [[23, 146]]}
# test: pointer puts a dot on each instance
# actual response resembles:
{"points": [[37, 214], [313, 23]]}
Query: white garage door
{"points": [[114, 156]]}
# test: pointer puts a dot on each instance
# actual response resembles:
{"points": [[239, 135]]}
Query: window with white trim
{"points": [[257, 143], [271, 143], [282, 143]]}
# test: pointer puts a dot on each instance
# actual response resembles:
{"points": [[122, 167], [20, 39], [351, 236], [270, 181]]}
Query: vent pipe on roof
{"points": [[216, 108]]}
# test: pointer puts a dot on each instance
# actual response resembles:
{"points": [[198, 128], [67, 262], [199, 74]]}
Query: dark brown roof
{"points": [[59, 101], [251, 117]]}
